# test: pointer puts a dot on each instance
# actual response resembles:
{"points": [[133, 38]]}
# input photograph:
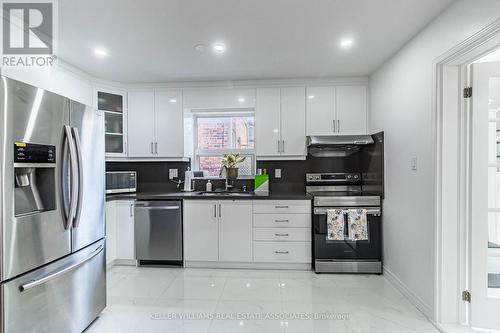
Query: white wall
{"points": [[61, 79], [401, 105]]}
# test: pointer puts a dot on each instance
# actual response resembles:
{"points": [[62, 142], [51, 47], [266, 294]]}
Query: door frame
{"points": [[452, 165]]}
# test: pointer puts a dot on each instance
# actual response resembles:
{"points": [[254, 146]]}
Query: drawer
{"points": [[282, 220], [282, 206], [291, 252], [282, 234]]}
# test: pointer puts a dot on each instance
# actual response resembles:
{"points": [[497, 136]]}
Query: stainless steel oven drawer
{"points": [[65, 296]]}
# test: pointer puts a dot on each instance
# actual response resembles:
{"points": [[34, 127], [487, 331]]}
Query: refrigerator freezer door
{"points": [[65, 296], [88, 132], [31, 115]]}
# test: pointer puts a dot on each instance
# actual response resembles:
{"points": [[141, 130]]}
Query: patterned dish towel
{"points": [[335, 224], [357, 224]]}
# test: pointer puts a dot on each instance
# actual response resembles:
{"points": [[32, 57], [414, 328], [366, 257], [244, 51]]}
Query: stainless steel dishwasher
{"points": [[158, 233]]}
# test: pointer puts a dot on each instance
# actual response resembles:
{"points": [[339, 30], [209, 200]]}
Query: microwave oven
{"points": [[121, 182]]}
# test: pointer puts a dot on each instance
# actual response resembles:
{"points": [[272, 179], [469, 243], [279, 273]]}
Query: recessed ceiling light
{"points": [[241, 100], [100, 52], [173, 100], [219, 48], [346, 43], [310, 96]]}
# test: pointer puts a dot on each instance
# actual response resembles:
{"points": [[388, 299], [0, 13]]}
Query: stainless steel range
{"points": [[342, 194]]}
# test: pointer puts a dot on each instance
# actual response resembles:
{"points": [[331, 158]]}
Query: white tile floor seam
{"points": [[142, 299]]}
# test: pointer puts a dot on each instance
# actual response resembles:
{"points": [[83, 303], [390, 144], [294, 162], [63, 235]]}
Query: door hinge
{"points": [[466, 296], [467, 92]]}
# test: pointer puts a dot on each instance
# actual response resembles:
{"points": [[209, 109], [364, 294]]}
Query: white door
{"points": [[125, 240], [320, 110], [485, 197], [141, 123], [351, 110], [201, 230], [235, 230], [293, 120], [169, 123], [267, 122]]}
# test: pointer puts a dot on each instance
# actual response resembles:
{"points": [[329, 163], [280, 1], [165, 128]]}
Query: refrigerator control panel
{"points": [[34, 153]]}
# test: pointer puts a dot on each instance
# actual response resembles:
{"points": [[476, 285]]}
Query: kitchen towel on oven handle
{"points": [[357, 225], [335, 224]]}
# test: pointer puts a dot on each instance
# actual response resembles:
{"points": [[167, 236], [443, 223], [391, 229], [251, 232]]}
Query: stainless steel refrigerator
{"points": [[52, 230]]}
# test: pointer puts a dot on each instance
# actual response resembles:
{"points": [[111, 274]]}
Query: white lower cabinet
{"points": [[201, 230], [279, 251], [218, 230], [282, 231], [235, 231], [125, 246], [110, 232]]}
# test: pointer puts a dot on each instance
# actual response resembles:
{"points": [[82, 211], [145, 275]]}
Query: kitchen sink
{"points": [[224, 193]]}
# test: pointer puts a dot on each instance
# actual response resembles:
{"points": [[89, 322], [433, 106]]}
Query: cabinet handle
{"points": [[215, 211], [282, 146], [281, 235], [278, 142], [152, 151], [339, 125], [281, 221], [281, 252], [280, 206], [334, 126], [156, 148], [131, 210], [220, 210]]}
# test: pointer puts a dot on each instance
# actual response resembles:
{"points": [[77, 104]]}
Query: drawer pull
{"points": [[281, 207], [281, 252], [281, 221], [281, 235]]}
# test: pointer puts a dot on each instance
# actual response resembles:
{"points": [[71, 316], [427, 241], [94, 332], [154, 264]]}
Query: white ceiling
{"points": [[153, 40]]}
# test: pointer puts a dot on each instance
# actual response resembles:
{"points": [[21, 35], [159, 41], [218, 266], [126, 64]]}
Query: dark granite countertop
{"points": [[212, 196]]}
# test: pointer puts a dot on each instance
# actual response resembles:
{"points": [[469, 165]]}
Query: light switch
{"points": [[277, 173], [173, 173], [413, 164]]}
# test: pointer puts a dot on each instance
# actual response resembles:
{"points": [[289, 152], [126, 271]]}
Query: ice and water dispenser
{"points": [[34, 178]]}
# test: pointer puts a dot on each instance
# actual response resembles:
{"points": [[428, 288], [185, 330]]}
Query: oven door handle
{"points": [[369, 211]]}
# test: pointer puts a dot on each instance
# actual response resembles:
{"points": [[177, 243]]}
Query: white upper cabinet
{"points": [[267, 122], [169, 123], [113, 102], [320, 110], [293, 120], [141, 120], [155, 124], [337, 110], [280, 122], [351, 110]]}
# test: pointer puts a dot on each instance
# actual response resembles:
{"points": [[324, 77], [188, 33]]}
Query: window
{"points": [[216, 135]]}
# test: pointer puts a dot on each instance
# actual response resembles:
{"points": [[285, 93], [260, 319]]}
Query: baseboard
{"points": [[247, 265], [410, 295]]}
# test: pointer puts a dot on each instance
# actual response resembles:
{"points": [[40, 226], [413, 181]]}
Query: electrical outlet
{"points": [[413, 164], [277, 173], [173, 173]]}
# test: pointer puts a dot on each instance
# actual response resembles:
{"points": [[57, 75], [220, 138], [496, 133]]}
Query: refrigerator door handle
{"points": [[80, 177], [64, 180], [73, 173], [52, 275]]}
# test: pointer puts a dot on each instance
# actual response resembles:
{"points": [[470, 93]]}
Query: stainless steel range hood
{"points": [[336, 145]]}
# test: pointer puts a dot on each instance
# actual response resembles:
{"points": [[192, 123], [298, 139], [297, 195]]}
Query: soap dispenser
{"points": [[209, 186]]}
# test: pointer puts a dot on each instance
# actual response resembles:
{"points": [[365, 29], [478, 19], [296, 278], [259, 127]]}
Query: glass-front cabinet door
{"points": [[113, 104]]}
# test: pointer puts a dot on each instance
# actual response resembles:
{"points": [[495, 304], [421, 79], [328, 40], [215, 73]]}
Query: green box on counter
{"points": [[261, 184]]}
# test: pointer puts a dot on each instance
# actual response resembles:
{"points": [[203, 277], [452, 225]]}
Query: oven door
{"points": [[370, 249]]}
